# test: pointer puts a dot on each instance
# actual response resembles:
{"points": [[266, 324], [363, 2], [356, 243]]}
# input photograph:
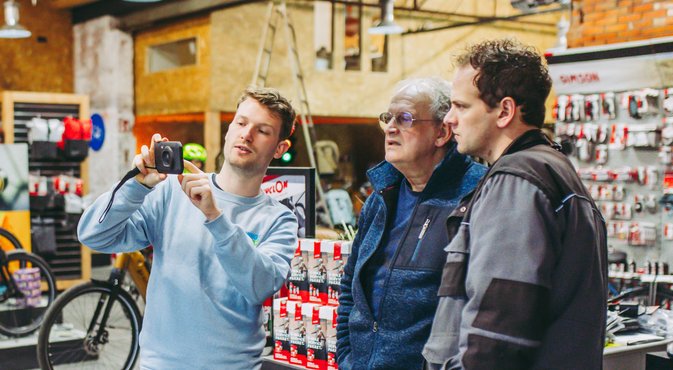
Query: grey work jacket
{"points": [[524, 284]]}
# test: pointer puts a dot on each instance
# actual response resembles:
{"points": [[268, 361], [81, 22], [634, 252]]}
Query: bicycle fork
{"points": [[105, 305]]}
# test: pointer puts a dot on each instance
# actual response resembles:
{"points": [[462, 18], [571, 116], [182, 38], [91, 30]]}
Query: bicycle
{"points": [[7, 237], [96, 323], [27, 289]]}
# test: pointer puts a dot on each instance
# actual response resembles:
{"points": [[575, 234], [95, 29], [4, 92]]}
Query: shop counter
{"points": [[631, 357]]}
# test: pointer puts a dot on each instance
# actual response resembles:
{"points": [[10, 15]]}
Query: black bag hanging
{"points": [[43, 236], [76, 150], [43, 150]]}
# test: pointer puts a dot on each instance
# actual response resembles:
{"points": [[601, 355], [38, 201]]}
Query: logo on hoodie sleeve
{"points": [[254, 237]]}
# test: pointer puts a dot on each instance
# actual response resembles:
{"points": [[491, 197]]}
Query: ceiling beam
{"points": [[137, 16], [67, 4], [486, 20], [418, 11], [162, 13], [115, 8]]}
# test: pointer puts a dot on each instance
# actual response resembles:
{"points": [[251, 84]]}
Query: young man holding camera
{"points": [[221, 246]]}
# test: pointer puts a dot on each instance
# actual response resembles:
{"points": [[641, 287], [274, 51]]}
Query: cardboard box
{"points": [[297, 282], [326, 261], [281, 330], [317, 270], [316, 346], [338, 252], [297, 333], [328, 321]]}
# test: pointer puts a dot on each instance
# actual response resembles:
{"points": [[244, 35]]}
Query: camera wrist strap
{"points": [[129, 175]]}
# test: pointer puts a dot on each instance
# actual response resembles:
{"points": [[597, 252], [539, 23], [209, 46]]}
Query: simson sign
{"points": [[615, 67]]}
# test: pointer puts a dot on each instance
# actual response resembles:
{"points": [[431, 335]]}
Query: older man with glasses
{"points": [[390, 283]]}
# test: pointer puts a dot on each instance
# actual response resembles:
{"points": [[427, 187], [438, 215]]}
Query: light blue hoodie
{"points": [[208, 280]]}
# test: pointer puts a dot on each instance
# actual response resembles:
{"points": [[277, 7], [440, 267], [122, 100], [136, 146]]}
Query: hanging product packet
{"points": [[75, 139]]}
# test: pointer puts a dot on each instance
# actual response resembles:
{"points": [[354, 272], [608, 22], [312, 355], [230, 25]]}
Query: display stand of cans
{"points": [[304, 315]]}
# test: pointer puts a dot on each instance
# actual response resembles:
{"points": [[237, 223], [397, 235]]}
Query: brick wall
{"points": [[599, 22]]}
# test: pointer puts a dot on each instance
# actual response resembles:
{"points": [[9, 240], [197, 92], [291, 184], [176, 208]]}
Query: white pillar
{"points": [[104, 70]]}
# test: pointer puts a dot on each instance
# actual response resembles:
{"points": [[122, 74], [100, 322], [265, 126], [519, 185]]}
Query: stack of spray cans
{"points": [[304, 316]]}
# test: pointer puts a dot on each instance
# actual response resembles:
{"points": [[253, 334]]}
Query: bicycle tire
{"points": [[13, 240], [64, 339], [20, 320]]}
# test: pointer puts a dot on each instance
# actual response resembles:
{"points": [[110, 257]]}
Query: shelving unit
{"points": [[72, 261], [645, 278]]}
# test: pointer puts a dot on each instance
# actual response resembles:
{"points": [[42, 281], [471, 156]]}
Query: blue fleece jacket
{"points": [[208, 280], [393, 338]]}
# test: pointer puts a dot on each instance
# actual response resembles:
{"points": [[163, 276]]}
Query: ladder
{"points": [[276, 11]]}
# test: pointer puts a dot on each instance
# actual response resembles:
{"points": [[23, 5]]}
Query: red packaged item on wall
{"points": [[75, 129], [75, 140]]}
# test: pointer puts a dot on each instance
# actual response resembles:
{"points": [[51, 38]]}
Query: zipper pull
{"points": [[424, 229], [376, 327]]}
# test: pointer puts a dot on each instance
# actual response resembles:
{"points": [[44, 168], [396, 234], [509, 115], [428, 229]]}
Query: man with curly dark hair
{"points": [[524, 284]]}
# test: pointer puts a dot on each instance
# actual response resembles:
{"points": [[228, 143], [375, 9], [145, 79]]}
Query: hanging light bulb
{"points": [[12, 29], [387, 26]]}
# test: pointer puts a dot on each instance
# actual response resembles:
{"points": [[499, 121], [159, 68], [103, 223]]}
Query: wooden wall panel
{"points": [[42, 62], [180, 90], [347, 93], [184, 132]]}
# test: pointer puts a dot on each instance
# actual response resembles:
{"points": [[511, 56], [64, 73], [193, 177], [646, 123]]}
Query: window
{"points": [[172, 55], [378, 50], [352, 42], [322, 38]]}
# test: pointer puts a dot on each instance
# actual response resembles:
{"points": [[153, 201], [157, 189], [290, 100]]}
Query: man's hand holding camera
{"points": [[164, 157], [197, 187], [145, 162]]}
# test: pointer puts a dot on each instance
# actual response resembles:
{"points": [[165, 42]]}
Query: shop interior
{"points": [[85, 83]]}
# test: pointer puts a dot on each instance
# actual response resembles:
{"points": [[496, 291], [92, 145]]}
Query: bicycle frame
{"points": [[6, 277], [134, 263]]}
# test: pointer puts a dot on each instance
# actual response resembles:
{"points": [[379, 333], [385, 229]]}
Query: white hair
{"points": [[436, 90]]}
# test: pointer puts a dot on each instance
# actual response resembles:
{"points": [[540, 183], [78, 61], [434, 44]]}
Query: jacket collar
{"points": [[529, 139], [385, 176]]}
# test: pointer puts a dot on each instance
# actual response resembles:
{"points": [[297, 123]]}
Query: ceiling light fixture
{"points": [[387, 26], [12, 29]]}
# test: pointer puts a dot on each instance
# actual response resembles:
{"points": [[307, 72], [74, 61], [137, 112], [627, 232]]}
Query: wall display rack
{"points": [[71, 262], [614, 109]]}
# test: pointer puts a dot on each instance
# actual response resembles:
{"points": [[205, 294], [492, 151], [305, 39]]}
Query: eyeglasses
{"points": [[404, 119]]}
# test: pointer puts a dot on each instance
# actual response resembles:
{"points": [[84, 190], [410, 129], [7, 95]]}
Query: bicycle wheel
{"points": [[72, 334], [6, 236], [20, 313]]}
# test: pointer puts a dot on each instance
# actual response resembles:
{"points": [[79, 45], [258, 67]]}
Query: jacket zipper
{"points": [[375, 324], [420, 239], [378, 241], [392, 262]]}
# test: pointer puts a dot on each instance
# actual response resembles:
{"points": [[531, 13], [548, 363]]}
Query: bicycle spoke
{"points": [[72, 344]]}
